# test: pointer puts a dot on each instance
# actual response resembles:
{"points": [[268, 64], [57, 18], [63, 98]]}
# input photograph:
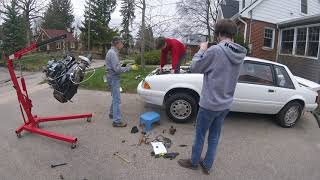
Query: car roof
{"points": [[247, 58]]}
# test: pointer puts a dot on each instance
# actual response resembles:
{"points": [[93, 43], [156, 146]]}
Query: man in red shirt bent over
{"points": [[178, 52]]}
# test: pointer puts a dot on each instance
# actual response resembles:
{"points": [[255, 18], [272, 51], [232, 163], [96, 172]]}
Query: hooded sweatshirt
{"points": [[220, 65]]}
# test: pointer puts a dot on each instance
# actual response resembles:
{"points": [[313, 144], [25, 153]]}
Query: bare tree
{"points": [[141, 4], [198, 16], [31, 10]]}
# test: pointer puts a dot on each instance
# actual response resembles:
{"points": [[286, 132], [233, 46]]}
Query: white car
{"points": [[264, 87]]}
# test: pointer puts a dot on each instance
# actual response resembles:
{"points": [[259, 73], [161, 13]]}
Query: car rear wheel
{"points": [[181, 107], [290, 114]]}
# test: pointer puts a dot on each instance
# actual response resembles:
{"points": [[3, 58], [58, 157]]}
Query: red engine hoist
{"points": [[31, 122]]}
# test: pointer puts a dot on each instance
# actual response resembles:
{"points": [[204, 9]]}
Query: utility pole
{"points": [[89, 26]]}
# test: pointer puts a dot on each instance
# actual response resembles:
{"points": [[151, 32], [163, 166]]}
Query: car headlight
{"points": [[146, 85]]}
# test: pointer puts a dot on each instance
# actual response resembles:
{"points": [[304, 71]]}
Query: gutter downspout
{"points": [[279, 46], [245, 28]]}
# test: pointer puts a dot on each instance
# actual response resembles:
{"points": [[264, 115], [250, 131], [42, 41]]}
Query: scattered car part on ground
{"points": [[172, 130], [57, 165], [121, 157], [134, 130]]}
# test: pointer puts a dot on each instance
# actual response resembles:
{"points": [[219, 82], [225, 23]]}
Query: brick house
{"points": [[258, 21], [280, 30], [70, 43]]}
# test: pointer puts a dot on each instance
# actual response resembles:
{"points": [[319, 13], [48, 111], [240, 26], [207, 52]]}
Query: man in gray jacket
{"points": [[220, 65], [114, 69]]}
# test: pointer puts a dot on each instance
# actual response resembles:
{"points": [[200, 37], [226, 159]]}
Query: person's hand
{"points": [[135, 67], [204, 46], [172, 71]]}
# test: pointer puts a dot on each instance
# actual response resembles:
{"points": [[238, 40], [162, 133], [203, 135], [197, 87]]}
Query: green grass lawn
{"points": [[128, 82], [33, 62]]}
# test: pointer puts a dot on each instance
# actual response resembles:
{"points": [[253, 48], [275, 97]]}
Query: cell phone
{"points": [[212, 43]]}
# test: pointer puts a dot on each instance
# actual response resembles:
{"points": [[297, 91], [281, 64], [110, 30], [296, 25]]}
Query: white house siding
{"points": [[274, 11]]}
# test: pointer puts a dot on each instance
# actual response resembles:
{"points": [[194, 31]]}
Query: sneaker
{"points": [[204, 169], [186, 163], [120, 124]]}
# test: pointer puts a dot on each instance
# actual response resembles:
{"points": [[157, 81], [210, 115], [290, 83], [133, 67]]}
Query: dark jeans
{"points": [[181, 59], [212, 121]]}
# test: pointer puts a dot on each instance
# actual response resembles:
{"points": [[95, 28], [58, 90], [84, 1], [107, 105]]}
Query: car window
{"points": [[255, 73], [283, 79]]}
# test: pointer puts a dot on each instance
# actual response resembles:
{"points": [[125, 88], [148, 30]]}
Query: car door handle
{"points": [[271, 91]]}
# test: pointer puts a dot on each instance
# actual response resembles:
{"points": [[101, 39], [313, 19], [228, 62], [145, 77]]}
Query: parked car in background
{"points": [[264, 87]]}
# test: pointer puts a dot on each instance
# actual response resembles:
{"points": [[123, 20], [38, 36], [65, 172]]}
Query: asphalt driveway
{"points": [[252, 147]]}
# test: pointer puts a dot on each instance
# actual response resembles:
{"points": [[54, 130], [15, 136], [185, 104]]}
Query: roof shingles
{"points": [[54, 32]]}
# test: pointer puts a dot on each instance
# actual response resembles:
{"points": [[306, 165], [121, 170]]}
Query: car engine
{"points": [[64, 76]]}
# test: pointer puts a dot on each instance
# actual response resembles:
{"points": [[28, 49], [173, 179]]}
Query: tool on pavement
{"points": [[143, 138], [171, 156], [31, 122], [172, 130], [56, 165], [183, 145], [122, 158]]}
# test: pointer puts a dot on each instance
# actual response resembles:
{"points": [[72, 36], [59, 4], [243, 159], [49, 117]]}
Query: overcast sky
{"points": [[158, 10]]}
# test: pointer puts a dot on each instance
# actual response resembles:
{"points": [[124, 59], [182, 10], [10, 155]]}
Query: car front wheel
{"points": [[181, 107], [290, 114]]}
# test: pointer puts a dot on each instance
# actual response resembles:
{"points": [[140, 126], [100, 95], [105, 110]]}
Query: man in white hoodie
{"points": [[220, 65]]}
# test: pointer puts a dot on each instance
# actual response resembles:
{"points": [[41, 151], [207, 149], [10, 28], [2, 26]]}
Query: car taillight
{"points": [[146, 85]]}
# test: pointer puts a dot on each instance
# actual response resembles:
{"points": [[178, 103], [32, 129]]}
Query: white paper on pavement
{"points": [[158, 148]]}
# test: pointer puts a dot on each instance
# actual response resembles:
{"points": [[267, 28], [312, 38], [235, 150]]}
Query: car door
{"points": [[255, 91], [285, 88]]}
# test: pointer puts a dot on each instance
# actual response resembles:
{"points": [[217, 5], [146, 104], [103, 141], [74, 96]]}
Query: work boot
{"points": [[186, 163], [204, 169], [120, 124]]}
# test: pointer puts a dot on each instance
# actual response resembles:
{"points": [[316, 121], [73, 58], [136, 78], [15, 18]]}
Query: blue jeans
{"points": [[116, 100], [212, 121]]}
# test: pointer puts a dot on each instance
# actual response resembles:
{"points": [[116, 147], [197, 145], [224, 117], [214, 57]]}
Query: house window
{"points": [[268, 38], [48, 47], [287, 41], [304, 6], [313, 41], [301, 41], [243, 4], [42, 37], [72, 45], [58, 45]]}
